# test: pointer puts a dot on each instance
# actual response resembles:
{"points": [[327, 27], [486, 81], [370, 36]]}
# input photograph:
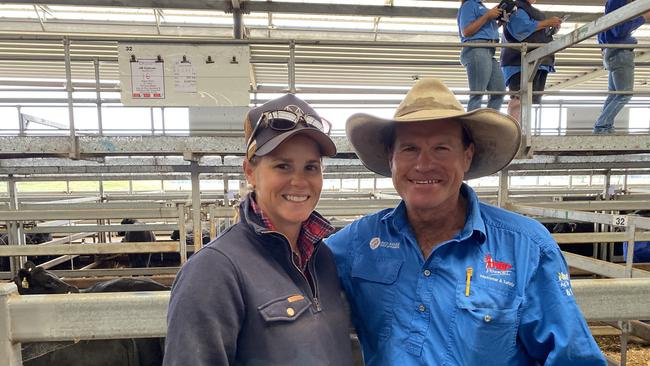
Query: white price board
{"points": [[184, 75], [147, 79]]}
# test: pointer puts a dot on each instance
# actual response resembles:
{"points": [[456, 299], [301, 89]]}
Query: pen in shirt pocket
{"points": [[468, 279]]}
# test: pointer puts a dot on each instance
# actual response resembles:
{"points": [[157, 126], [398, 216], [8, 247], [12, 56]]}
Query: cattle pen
{"points": [[88, 139]]}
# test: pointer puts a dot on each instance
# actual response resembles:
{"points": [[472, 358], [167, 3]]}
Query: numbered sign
{"points": [[619, 220]]}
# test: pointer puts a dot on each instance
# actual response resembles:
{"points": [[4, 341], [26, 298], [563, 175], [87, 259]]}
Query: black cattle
{"points": [[115, 352], [30, 238], [189, 236], [573, 227], [138, 260]]}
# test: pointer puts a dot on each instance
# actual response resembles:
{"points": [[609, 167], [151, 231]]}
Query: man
{"points": [[619, 63], [527, 24], [443, 279]]}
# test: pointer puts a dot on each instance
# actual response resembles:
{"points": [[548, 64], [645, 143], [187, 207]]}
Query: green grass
{"points": [[83, 186]]}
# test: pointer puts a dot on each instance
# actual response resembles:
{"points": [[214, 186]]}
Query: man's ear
{"points": [[468, 155]]}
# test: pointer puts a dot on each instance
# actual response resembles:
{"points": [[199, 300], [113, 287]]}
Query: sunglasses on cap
{"points": [[284, 120]]}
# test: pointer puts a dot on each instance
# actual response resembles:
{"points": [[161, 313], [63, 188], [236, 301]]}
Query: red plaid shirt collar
{"points": [[313, 230]]}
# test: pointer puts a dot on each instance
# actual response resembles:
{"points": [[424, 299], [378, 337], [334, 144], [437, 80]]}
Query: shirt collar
{"points": [[314, 229], [474, 224]]}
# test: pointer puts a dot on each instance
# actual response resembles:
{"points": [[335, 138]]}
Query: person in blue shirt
{"points": [[527, 24], [619, 63], [476, 23], [443, 279]]}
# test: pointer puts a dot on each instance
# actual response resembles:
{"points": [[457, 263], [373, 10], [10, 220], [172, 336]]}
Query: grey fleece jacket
{"points": [[241, 301]]}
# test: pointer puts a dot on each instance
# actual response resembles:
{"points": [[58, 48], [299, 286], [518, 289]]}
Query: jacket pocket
{"points": [[372, 280], [485, 326], [284, 309]]}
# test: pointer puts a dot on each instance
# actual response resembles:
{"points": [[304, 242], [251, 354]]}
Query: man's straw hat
{"points": [[496, 136]]}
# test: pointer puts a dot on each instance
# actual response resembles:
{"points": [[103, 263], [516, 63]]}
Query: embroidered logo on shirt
{"points": [[376, 243], [496, 267], [565, 285]]}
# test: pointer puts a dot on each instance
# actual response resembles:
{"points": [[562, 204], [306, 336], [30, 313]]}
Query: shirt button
{"points": [[427, 273], [291, 312], [487, 318], [422, 308]]}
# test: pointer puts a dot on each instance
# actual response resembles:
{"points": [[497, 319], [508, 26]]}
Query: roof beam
{"points": [[588, 30], [289, 8]]}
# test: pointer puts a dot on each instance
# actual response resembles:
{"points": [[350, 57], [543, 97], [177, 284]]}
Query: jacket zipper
{"points": [[314, 291]]}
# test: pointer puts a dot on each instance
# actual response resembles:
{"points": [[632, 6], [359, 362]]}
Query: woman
{"points": [[527, 24], [266, 291], [476, 23]]}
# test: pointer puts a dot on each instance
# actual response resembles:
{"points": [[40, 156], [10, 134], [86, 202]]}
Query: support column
{"points": [[98, 97], [74, 146], [502, 195], [15, 233], [291, 71], [196, 205], [181, 234], [9, 352]]}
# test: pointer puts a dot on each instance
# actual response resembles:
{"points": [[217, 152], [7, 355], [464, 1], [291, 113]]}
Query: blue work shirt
{"points": [[408, 310], [521, 26], [621, 33], [641, 251], [467, 14]]}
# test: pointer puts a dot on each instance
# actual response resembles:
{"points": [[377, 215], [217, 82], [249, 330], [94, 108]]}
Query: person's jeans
{"points": [[483, 73], [619, 63]]}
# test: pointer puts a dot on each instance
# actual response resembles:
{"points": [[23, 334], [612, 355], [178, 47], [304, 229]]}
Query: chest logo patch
{"points": [[376, 242], [495, 267], [565, 285]]}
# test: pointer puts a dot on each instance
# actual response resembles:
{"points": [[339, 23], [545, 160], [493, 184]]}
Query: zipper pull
{"points": [[317, 303], [468, 278]]}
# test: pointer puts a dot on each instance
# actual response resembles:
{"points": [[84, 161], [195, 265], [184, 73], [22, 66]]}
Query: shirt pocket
{"points": [[485, 325], [373, 282], [284, 309]]}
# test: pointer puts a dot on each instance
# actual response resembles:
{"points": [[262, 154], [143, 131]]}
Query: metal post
{"points": [[102, 234], [226, 199], [502, 195], [162, 119], [603, 227], [292, 67], [14, 231], [213, 222], [196, 205], [525, 97], [181, 233], [21, 122], [237, 29], [74, 148], [98, 97], [151, 118], [9, 352]]}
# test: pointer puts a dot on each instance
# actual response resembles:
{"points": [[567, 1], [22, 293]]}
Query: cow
{"points": [[30, 238], [32, 280], [137, 260], [189, 236]]}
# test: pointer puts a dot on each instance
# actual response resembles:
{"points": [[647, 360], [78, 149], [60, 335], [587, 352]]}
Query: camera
{"points": [[507, 7]]}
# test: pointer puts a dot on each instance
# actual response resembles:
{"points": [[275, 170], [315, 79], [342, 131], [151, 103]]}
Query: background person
{"points": [[619, 63], [476, 23], [443, 279], [266, 291], [527, 24]]}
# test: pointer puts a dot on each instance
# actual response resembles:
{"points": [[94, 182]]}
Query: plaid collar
{"points": [[313, 230]]}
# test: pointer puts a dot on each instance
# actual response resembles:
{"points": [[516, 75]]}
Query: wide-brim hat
{"points": [[496, 136], [267, 139]]}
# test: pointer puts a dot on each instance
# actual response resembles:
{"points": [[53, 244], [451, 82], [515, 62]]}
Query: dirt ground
{"points": [[637, 354]]}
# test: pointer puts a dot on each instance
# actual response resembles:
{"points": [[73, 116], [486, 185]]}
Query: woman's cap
{"points": [[266, 138]]}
